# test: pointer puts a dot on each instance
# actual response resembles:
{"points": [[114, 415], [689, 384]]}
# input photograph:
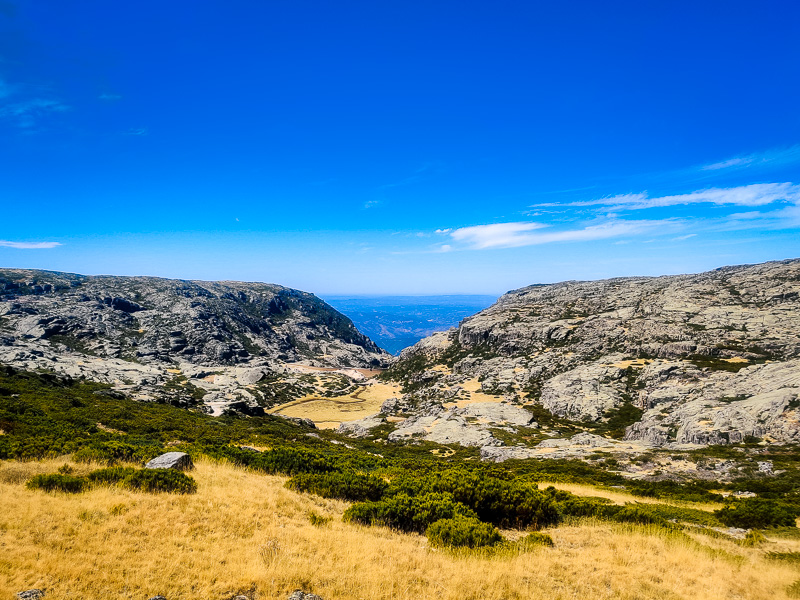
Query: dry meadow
{"points": [[244, 533]]}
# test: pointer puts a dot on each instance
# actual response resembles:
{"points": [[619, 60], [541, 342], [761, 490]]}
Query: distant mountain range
{"points": [[397, 322]]}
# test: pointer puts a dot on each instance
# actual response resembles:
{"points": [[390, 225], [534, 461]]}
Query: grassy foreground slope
{"points": [[246, 533]]}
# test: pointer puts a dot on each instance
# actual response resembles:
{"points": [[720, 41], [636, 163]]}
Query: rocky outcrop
{"points": [[180, 461], [149, 320], [220, 346], [711, 358]]}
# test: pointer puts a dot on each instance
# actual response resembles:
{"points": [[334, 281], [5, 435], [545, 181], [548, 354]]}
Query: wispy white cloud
{"points": [[109, 97], [27, 112], [514, 235], [757, 194], [136, 131], [680, 238], [775, 157], [29, 245]]}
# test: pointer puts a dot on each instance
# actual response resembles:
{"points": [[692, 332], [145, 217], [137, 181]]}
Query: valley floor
{"points": [[244, 533]]}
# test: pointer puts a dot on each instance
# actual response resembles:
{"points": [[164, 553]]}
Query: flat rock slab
{"points": [[171, 460]]}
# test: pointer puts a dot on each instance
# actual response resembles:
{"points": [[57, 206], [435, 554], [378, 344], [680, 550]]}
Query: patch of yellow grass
{"points": [[328, 413], [473, 387], [245, 533], [622, 497], [636, 362]]}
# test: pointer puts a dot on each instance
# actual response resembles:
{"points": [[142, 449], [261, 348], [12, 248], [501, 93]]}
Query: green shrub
{"points": [[345, 486], [318, 520], [755, 513], [110, 475], [461, 532], [537, 539], [570, 505], [635, 514], [57, 482], [113, 451], [504, 503], [160, 480], [408, 513], [278, 461]]}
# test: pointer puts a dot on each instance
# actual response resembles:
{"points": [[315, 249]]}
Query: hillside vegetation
{"points": [[364, 519]]}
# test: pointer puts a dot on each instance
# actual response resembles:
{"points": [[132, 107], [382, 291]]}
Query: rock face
{"points": [[221, 344], [151, 320], [712, 358], [179, 461]]}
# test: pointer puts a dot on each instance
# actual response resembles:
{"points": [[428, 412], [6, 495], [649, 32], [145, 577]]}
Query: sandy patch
{"points": [[328, 413], [639, 362]]}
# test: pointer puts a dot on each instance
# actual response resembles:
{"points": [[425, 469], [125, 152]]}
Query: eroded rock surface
{"points": [[224, 345], [674, 361], [180, 461]]}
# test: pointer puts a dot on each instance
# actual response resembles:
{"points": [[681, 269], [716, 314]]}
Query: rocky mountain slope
{"points": [[555, 370], [142, 333]]}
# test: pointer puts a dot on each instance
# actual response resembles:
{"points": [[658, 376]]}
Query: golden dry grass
{"points": [[621, 497], [328, 413], [246, 533]]}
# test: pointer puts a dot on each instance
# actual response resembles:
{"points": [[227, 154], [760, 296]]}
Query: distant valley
{"points": [[397, 322]]}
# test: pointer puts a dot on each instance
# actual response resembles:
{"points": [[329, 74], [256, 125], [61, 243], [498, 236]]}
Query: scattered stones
{"points": [[298, 420], [171, 460], [765, 467], [250, 449], [360, 428], [30, 594], [301, 595]]}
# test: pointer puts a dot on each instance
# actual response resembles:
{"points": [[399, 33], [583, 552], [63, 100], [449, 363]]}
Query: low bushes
{"points": [[502, 502], [144, 480], [57, 482], [110, 475], [755, 513], [344, 486], [113, 451], [160, 480], [278, 461], [408, 513], [462, 532]]}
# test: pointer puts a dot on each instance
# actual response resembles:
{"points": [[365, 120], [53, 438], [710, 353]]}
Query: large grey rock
{"points": [[30, 594], [360, 428], [171, 460]]}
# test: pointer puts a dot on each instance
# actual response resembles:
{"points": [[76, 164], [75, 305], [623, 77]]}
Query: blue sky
{"points": [[398, 147]]}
